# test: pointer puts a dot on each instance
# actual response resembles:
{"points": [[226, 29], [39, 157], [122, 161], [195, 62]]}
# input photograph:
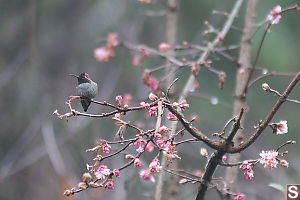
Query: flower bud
{"points": [[67, 193], [152, 97], [266, 87], [183, 181], [86, 177], [82, 185]]}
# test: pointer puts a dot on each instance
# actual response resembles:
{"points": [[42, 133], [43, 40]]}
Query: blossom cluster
{"points": [[104, 53]]}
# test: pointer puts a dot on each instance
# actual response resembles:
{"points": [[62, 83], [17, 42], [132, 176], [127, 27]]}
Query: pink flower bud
{"points": [[164, 47], [149, 147], [145, 1], [203, 152], [171, 117], [220, 37], [116, 172], [106, 148], [152, 97], [111, 184], [102, 54], [154, 166], [183, 181], [137, 162], [127, 99], [119, 100], [128, 156], [161, 143], [163, 129], [144, 52], [224, 157], [137, 61], [112, 39], [146, 175], [240, 196], [118, 115]]}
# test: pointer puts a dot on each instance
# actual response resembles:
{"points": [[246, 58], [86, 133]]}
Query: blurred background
{"points": [[42, 41]]}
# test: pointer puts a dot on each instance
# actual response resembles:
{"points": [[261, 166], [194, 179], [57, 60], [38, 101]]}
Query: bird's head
{"points": [[82, 78]]}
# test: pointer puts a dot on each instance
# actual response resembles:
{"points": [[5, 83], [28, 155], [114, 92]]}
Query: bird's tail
{"points": [[85, 103]]}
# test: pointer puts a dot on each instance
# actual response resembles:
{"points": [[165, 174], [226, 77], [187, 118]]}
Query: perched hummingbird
{"points": [[86, 89]]}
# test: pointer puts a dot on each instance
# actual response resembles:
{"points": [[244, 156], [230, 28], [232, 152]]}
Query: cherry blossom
{"points": [[240, 196], [137, 162], [274, 16], [171, 117], [268, 159], [106, 148], [146, 175], [154, 166], [119, 100], [164, 47], [102, 172]]}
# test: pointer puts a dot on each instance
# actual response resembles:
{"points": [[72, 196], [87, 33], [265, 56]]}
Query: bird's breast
{"points": [[88, 90]]}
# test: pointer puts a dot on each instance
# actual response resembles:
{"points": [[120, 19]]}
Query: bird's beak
{"points": [[74, 75]]}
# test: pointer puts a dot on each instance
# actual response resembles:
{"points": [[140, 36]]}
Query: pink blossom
{"points": [[102, 54], [146, 175], [164, 47], [280, 128], [144, 52], [137, 61], [128, 156], [249, 174], [224, 157], [141, 143], [112, 39], [157, 135], [220, 37], [106, 148], [118, 115], [127, 99], [161, 143], [140, 149], [170, 151], [268, 159], [197, 172], [153, 111], [171, 117], [145, 1], [137, 162], [153, 83], [274, 16], [154, 166], [245, 165], [240, 196], [204, 152], [116, 172], [102, 172], [119, 100], [111, 184], [149, 147], [147, 105], [152, 97], [183, 105], [163, 129], [242, 71], [183, 181], [283, 163]]}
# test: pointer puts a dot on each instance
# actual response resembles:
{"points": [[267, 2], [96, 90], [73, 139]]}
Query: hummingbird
{"points": [[86, 89]]}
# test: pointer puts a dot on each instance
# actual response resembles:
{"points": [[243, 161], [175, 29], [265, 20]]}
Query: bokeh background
{"points": [[42, 41]]}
